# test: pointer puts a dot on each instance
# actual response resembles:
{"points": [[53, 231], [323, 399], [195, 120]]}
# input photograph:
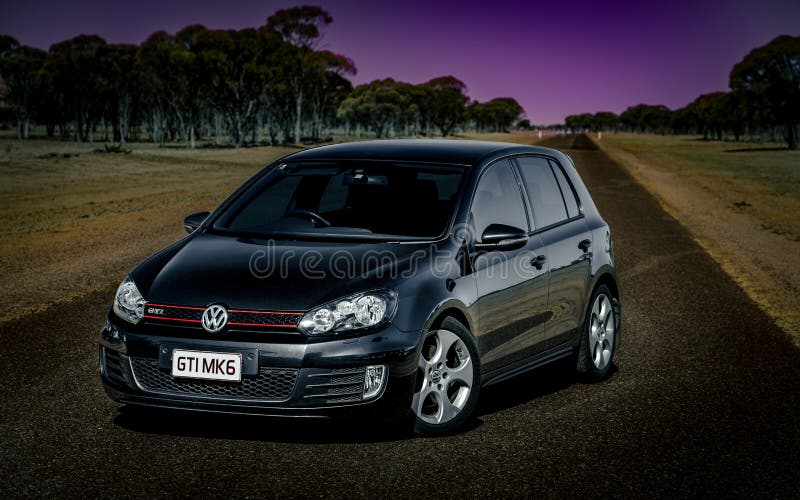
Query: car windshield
{"points": [[348, 200]]}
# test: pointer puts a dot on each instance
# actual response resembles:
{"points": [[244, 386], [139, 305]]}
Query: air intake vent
{"points": [[271, 384], [336, 386]]}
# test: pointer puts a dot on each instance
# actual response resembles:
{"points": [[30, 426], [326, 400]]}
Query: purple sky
{"points": [[555, 58]]}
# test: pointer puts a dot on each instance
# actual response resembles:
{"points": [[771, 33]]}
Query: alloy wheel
{"points": [[601, 331], [444, 377]]}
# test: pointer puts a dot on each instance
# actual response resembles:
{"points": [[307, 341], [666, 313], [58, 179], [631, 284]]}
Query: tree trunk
{"points": [[273, 135], [240, 132], [123, 118], [24, 127], [791, 135], [78, 127], [218, 128], [298, 116], [256, 130]]}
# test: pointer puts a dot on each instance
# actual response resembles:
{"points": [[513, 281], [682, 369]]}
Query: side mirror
{"points": [[502, 237], [192, 222]]}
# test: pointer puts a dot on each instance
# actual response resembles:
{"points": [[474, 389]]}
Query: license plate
{"points": [[207, 365]]}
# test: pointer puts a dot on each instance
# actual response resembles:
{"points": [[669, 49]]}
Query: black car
{"points": [[371, 278]]}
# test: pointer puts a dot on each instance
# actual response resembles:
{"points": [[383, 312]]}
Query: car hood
{"points": [[271, 275]]}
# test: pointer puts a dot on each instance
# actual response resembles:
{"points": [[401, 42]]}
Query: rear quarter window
{"points": [[543, 191], [566, 189]]}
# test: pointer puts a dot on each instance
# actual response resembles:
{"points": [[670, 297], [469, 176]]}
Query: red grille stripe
{"points": [[172, 319], [261, 324], [250, 311], [175, 307]]}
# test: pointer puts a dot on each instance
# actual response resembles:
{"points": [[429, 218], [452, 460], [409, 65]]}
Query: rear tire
{"points": [[448, 380], [598, 339]]}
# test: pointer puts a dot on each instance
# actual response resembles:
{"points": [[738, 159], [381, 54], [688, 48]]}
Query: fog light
{"points": [[111, 333], [373, 381]]}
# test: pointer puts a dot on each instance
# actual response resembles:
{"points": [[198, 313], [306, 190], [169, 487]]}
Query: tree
{"points": [[300, 27], [327, 86], [375, 106], [420, 98], [75, 69], [234, 63], [497, 115], [19, 66], [448, 103], [151, 58], [175, 77], [770, 75], [706, 115], [123, 86], [7, 44], [581, 122], [605, 120], [646, 118]]}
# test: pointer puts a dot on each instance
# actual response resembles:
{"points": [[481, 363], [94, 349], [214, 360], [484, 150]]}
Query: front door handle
{"points": [[585, 245], [538, 261]]}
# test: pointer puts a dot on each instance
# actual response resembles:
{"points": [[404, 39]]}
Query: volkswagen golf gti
{"points": [[380, 279]]}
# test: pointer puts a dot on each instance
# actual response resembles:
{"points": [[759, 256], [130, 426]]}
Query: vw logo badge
{"points": [[215, 317]]}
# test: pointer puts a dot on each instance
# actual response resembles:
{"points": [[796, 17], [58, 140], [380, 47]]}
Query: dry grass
{"points": [[75, 224], [741, 202], [76, 221], [521, 137]]}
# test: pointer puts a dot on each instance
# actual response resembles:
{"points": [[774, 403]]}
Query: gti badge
{"points": [[215, 317]]}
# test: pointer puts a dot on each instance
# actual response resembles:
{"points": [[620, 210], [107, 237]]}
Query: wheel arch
{"points": [[606, 275], [609, 279], [453, 309]]}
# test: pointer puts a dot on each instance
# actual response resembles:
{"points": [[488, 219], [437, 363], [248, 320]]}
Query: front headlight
{"points": [[128, 302], [354, 312]]}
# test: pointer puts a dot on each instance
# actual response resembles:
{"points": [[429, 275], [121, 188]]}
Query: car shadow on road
{"points": [[519, 390], [529, 386], [261, 428]]}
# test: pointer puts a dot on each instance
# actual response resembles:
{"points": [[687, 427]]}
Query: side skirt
{"points": [[523, 366]]}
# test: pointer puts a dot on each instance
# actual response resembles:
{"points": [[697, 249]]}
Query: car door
{"points": [[563, 230], [512, 284]]}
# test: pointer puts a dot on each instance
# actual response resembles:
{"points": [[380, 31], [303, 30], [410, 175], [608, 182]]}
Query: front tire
{"points": [[448, 379], [596, 350]]}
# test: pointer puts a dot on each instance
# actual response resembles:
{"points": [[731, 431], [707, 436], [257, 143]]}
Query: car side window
{"points": [[566, 189], [543, 191], [498, 200]]}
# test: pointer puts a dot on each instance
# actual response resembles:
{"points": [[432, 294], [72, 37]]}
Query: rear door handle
{"points": [[585, 245], [538, 261]]}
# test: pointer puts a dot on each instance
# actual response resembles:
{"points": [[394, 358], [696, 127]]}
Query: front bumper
{"points": [[321, 379]]}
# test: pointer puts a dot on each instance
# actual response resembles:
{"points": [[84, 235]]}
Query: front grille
{"points": [[113, 366], [191, 316], [271, 384], [336, 386], [251, 318]]}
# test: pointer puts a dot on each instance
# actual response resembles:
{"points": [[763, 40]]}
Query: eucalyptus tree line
{"points": [[234, 86], [172, 87], [437, 106], [763, 103]]}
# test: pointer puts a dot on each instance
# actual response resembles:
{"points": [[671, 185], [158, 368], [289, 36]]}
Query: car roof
{"points": [[460, 152]]}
